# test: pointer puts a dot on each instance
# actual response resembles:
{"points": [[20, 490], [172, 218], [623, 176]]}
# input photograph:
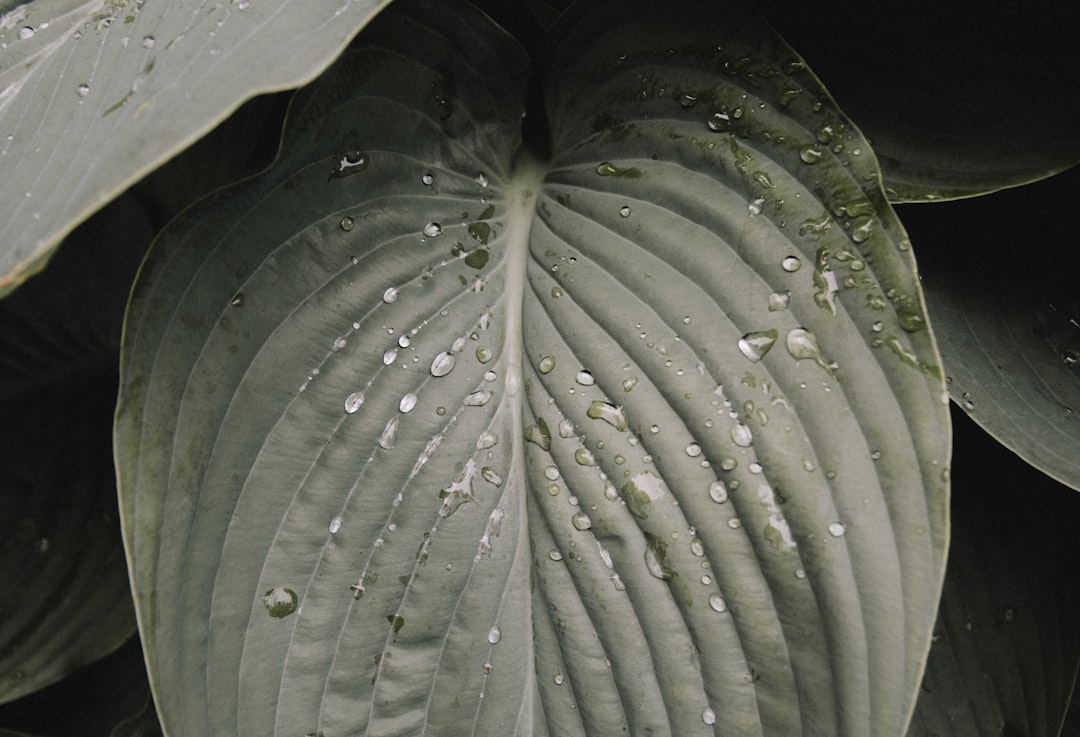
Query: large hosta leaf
{"points": [[419, 434], [94, 95]]}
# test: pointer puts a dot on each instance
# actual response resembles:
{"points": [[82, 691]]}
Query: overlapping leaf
{"points": [[422, 434], [89, 103]]}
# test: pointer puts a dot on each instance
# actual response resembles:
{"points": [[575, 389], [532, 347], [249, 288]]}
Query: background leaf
{"points": [[388, 410], [111, 113], [956, 101], [1007, 644], [1004, 300]]}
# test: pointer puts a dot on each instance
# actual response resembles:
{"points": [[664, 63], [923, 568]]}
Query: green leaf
{"points": [[1003, 299], [1006, 647], [62, 560], [419, 432], [957, 101], [112, 114]]}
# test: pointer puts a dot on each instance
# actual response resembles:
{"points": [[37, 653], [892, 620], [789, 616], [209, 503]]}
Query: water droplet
{"points": [[837, 529], [875, 455], [717, 603], [390, 295], [566, 428], [624, 211], [428, 179], [486, 668], [404, 341], [490, 475], [338, 344], [754, 206], [481, 179], [407, 402], [728, 463], [810, 154], [539, 434], [494, 635], [778, 301], [335, 525], [693, 450], [584, 457], [389, 434], [443, 364], [791, 263], [559, 679], [656, 557], [756, 344], [609, 413], [734, 523], [486, 440], [581, 521], [551, 473], [801, 343], [389, 356], [483, 353], [432, 229], [353, 402], [741, 435], [556, 292], [547, 363], [585, 378], [800, 573], [718, 492], [478, 398], [279, 602], [148, 42], [347, 223], [25, 32], [490, 376], [719, 122], [554, 554], [237, 300], [83, 90], [696, 547], [708, 716]]}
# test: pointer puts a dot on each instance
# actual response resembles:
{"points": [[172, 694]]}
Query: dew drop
{"points": [[83, 90], [428, 179], [237, 300], [837, 529], [335, 525], [800, 573], [559, 679], [609, 413], [390, 295], [629, 383], [25, 32], [581, 521], [389, 356], [585, 378], [478, 398], [584, 457], [734, 523], [719, 122], [624, 211], [708, 716], [801, 343], [728, 463], [551, 473], [389, 434], [756, 344], [696, 547], [481, 179], [443, 364], [754, 206], [693, 450], [492, 476], [347, 223], [741, 435], [432, 229], [486, 440], [791, 263], [717, 603], [554, 554], [483, 353], [810, 154], [404, 341], [407, 403], [353, 402], [718, 492], [494, 635], [148, 42], [547, 364], [279, 602]]}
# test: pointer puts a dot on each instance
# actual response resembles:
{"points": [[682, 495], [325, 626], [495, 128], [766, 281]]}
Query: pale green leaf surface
{"points": [[569, 502], [94, 95]]}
